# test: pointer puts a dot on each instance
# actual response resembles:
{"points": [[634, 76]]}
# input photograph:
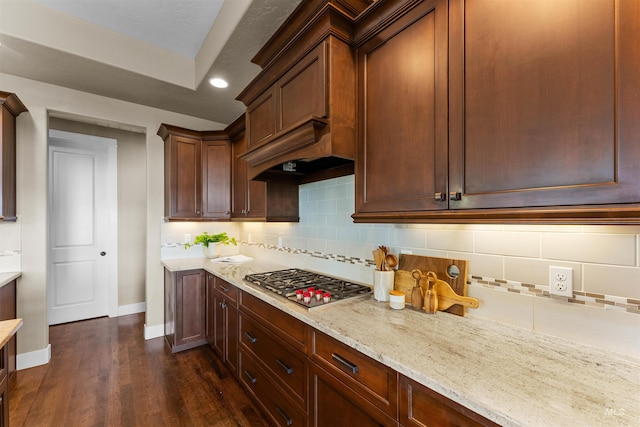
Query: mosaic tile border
{"points": [[607, 302], [315, 254]]}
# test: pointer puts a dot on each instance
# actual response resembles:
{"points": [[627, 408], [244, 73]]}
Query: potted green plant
{"points": [[212, 243]]}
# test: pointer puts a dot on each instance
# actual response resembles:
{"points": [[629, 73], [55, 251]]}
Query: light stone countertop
{"points": [[512, 376], [8, 329], [8, 277]]}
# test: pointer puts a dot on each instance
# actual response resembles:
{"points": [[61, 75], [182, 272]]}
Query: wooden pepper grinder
{"points": [[430, 295]]}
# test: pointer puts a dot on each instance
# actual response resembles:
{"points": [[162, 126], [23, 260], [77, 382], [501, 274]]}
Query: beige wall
{"points": [[132, 218], [32, 129]]}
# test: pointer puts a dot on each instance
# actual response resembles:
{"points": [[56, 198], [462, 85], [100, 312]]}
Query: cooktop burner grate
{"points": [[287, 282]]}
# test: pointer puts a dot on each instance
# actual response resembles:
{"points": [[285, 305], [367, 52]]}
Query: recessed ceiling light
{"points": [[216, 82]]}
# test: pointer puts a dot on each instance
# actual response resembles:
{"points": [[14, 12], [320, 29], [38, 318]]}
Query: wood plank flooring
{"points": [[103, 373]]}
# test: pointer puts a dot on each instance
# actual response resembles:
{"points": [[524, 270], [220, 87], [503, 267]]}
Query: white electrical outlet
{"points": [[561, 281]]}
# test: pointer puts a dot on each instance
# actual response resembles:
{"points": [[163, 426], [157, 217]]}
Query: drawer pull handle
{"points": [[287, 418], [344, 362], [224, 288], [284, 366], [251, 377], [251, 337]]}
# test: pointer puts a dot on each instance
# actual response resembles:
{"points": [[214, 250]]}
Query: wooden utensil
{"points": [[416, 292], [391, 261], [378, 258], [447, 297], [430, 295]]}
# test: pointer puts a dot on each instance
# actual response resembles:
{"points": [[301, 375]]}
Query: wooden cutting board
{"points": [[438, 266]]}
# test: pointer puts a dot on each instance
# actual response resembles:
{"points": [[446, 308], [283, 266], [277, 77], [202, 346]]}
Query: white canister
{"points": [[382, 284], [396, 300]]}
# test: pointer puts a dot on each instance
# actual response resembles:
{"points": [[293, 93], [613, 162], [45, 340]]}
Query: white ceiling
{"points": [[159, 53], [179, 26]]}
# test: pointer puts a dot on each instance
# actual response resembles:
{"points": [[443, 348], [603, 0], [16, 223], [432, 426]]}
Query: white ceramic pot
{"points": [[214, 250]]}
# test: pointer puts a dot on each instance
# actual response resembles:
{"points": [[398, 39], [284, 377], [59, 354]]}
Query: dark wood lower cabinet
{"points": [[269, 393], [7, 312], [184, 316], [422, 407], [335, 403], [222, 321], [4, 402], [298, 375]]}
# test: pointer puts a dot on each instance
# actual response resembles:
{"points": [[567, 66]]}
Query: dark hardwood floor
{"points": [[103, 373]]}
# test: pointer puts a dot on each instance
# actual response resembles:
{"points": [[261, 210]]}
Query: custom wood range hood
{"points": [[301, 108]]}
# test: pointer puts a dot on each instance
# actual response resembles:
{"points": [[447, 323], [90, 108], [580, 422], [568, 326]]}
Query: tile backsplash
{"points": [[605, 262], [10, 249]]}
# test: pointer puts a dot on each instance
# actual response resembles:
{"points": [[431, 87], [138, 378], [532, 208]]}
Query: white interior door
{"points": [[82, 273]]}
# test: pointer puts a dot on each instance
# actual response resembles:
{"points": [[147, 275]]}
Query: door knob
{"points": [[103, 253]]}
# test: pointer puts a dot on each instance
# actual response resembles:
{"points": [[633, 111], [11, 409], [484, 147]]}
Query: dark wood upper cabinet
{"points": [[491, 111], [197, 174], [248, 197], [402, 104], [216, 176], [10, 108], [544, 103], [301, 106]]}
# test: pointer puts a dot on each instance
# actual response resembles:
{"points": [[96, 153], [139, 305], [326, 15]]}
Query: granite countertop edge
{"points": [[6, 278], [512, 376]]}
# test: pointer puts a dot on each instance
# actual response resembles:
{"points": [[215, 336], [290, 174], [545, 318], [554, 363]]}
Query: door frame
{"points": [[111, 245]]}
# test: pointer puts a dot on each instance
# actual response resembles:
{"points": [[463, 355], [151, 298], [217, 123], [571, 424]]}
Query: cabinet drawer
{"points": [[285, 326], [281, 359], [376, 382], [271, 397], [226, 289], [421, 407]]}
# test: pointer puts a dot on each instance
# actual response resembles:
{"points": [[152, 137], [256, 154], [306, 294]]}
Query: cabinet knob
{"points": [[198, 212], [454, 195], [440, 197]]}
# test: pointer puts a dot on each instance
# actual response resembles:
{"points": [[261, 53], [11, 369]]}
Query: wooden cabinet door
{"points": [[10, 108], [336, 404], [210, 310], [223, 323], [261, 119], [302, 92], [422, 407], [190, 327], [4, 402], [7, 312], [249, 196], [219, 316], [402, 102], [544, 103], [183, 186], [232, 339], [216, 179]]}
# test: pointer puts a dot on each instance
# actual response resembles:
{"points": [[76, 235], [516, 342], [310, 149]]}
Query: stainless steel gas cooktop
{"points": [[308, 288]]}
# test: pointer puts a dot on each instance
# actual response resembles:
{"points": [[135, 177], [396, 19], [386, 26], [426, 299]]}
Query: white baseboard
{"points": [[33, 358], [155, 331], [139, 307]]}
